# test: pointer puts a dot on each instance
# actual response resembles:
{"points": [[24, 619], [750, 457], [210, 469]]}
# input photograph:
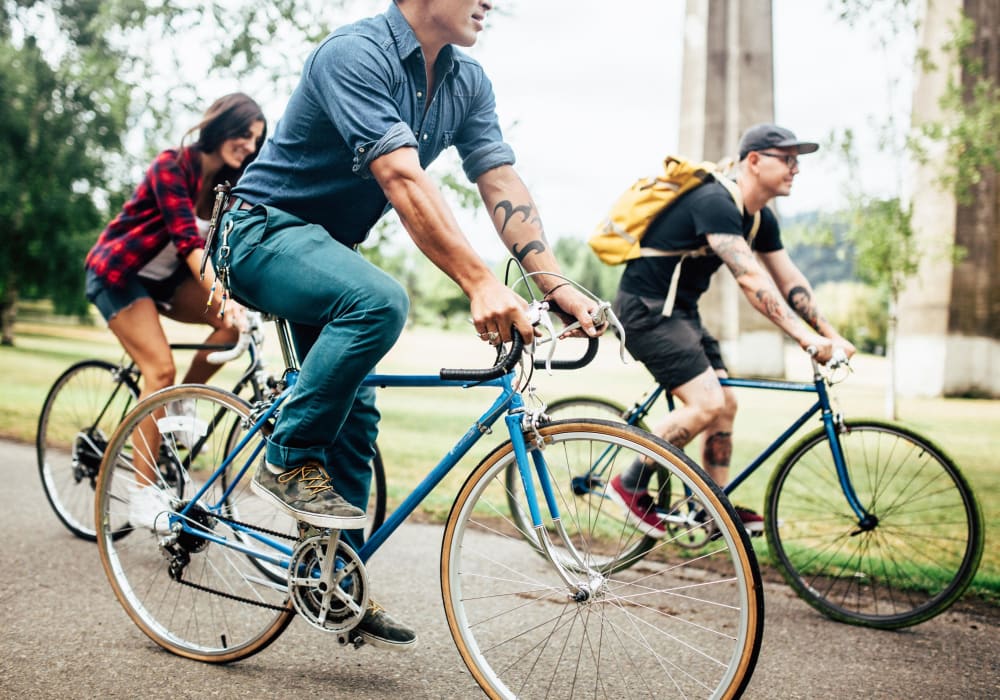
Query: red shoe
{"points": [[753, 523], [640, 509]]}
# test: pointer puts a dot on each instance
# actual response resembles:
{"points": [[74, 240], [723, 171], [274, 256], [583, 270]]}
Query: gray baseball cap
{"points": [[763, 136]]}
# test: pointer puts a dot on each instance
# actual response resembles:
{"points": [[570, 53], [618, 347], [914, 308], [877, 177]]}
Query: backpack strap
{"points": [[737, 195], [668, 304]]}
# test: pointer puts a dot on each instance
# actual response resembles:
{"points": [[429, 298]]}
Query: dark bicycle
{"points": [[871, 523], [88, 401]]}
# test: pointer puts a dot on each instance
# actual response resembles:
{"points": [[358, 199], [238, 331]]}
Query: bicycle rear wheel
{"points": [[81, 411], [672, 624], [909, 561], [592, 407], [199, 591]]}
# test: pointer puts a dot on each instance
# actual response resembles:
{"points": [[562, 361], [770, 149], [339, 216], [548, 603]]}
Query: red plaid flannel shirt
{"points": [[161, 210]]}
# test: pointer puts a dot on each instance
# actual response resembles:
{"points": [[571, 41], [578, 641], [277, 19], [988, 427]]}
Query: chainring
{"points": [[335, 605]]}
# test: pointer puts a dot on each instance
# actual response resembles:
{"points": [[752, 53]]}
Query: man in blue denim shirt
{"points": [[377, 102]]}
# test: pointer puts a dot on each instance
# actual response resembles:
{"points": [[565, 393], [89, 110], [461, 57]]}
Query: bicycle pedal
{"points": [[352, 638]]}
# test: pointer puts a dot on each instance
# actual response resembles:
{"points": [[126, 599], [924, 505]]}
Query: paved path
{"points": [[63, 634]]}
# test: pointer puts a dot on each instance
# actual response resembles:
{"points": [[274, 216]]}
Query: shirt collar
{"points": [[407, 44]]}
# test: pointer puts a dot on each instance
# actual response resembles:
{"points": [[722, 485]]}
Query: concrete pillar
{"points": [[728, 85], [948, 339]]}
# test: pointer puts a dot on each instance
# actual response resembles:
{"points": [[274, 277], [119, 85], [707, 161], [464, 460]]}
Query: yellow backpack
{"points": [[617, 239]]}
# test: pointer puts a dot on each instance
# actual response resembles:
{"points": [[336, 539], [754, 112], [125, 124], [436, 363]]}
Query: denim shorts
{"points": [[110, 299]]}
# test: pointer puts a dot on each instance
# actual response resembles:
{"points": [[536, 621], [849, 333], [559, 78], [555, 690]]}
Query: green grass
{"points": [[420, 425]]}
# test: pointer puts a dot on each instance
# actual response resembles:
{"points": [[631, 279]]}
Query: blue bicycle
{"points": [[532, 597], [871, 523]]}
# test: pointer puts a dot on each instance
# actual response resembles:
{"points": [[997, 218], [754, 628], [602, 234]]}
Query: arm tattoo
{"points": [[527, 212], [774, 307], [735, 253], [801, 301], [533, 246]]}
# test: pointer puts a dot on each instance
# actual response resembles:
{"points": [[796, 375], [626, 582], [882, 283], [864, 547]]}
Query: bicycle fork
{"points": [[580, 591]]}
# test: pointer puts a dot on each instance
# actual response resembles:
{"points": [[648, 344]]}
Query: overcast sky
{"points": [[588, 93]]}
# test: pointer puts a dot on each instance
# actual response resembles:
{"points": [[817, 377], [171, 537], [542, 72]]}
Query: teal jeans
{"points": [[344, 314]]}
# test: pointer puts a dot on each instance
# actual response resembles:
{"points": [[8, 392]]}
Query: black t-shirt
{"points": [[707, 209]]}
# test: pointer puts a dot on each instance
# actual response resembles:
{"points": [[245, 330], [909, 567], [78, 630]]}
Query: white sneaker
{"points": [[149, 508], [182, 423]]}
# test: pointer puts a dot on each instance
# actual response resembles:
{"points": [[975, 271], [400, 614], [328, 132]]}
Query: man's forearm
{"points": [[800, 298], [518, 223]]}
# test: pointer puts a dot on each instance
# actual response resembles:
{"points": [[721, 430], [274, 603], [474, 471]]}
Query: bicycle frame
{"points": [[821, 405], [508, 403]]}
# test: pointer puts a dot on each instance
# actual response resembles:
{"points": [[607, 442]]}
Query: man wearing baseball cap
{"points": [[711, 226]]}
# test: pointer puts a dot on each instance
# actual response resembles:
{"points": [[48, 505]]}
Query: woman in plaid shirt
{"points": [[147, 261]]}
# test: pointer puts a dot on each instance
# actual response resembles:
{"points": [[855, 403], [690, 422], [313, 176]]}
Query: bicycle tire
{"points": [[685, 626], [194, 597], [909, 564], [81, 411]]}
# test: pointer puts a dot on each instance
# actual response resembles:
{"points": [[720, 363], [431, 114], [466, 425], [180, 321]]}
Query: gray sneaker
{"points": [[305, 493], [379, 629]]}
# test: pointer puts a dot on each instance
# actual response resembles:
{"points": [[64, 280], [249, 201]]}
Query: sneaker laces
{"points": [[310, 477]]}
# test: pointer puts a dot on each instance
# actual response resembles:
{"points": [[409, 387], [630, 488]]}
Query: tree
{"points": [[77, 77], [971, 131], [881, 228], [82, 76], [58, 122]]}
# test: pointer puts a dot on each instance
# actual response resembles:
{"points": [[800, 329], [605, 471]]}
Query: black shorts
{"points": [[675, 349]]}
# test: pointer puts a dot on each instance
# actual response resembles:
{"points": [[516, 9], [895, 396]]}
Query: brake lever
{"points": [[538, 314]]}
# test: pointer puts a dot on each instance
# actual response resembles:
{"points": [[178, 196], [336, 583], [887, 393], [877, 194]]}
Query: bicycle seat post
{"points": [[287, 344]]}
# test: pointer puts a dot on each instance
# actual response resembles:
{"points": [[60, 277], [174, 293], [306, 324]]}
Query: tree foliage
{"points": [[60, 119], [970, 129], [79, 77], [92, 89]]}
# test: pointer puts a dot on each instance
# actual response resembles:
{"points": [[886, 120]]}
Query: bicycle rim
{"points": [[206, 600], [911, 562], [674, 623], [81, 411]]}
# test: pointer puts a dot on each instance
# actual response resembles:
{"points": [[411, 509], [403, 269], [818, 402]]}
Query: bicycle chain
{"points": [[230, 596]]}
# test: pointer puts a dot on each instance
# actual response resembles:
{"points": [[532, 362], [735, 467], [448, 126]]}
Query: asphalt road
{"points": [[64, 635]]}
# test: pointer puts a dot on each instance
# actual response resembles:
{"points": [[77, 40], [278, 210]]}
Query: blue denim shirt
{"points": [[363, 94]]}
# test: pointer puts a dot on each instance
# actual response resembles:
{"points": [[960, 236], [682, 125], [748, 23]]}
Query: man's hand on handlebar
{"points": [[573, 306], [495, 310]]}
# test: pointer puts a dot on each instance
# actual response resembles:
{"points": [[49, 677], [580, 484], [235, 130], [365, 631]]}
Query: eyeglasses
{"points": [[790, 161]]}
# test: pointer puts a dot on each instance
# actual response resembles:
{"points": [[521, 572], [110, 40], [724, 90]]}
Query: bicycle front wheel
{"points": [[81, 411], [910, 559], [672, 625], [211, 584], [588, 484]]}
